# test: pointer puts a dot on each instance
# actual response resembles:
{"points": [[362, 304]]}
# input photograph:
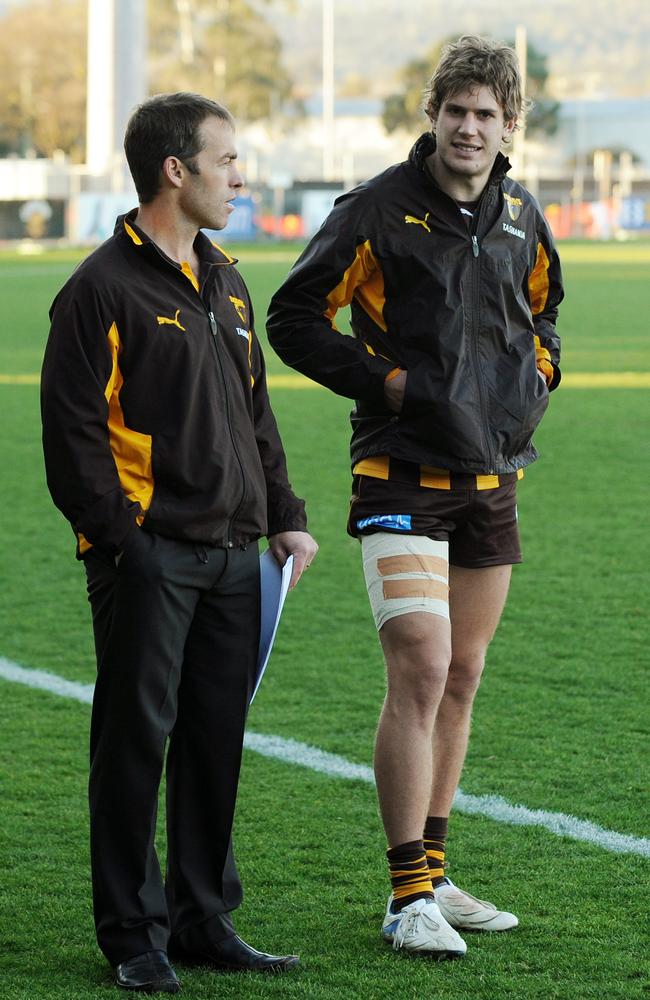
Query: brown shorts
{"points": [[479, 525]]}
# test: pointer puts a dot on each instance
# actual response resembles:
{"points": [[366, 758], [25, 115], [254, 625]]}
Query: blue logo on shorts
{"points": [[392, 522]]}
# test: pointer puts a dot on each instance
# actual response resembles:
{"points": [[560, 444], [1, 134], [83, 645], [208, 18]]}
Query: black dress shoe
{"points": [[147, 973], [234, 955]]}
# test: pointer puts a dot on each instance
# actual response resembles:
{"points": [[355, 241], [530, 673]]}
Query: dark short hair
{"points": [[474, 60], [166, 125]]}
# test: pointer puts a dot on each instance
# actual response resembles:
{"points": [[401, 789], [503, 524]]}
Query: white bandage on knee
{"points": [[405, 573]]}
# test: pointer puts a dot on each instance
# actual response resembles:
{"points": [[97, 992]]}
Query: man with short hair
{"points": [[454, 283], [162, 451]]}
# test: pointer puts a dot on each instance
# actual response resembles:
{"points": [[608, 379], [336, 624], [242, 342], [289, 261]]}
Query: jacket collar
{"points": [[208, 252], [426, 145]]}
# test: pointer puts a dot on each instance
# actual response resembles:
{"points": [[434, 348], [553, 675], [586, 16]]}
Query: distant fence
{"points": [[599, 220], [89, 218]]}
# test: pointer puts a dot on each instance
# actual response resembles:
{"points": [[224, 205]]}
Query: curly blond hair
{"points": [[474, 60]]}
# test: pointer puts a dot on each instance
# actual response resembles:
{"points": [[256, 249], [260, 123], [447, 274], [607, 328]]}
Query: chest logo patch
{"points": [[418, 222], [162, 320], [515, 206], [239, 306]]}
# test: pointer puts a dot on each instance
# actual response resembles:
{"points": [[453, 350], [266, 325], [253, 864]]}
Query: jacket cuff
{"points": [[289, 518], [556, 378], [377, 381], [108, 522]]}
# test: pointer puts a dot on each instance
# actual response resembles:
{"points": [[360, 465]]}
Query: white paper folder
{"points": [[274, 585]]}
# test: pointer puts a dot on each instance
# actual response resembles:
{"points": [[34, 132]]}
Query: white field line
{"points": [[292, 752]]}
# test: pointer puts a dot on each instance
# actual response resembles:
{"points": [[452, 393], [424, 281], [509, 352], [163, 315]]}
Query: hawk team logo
{"points": [[418, 222], [162, 320], [514, 206], [239, 306]]}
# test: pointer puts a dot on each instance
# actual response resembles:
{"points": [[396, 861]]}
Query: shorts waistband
{"points": [[429, 476]]}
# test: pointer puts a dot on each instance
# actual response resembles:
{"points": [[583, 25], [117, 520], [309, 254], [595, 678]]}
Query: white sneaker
{"points": [[469, 913], [421, 927]]}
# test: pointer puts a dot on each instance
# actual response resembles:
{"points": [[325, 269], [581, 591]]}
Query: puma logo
{"points": [[172, 322], [418, 222]]}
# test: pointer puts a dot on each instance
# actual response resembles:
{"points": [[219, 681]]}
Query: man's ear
{"points": [[172, 171], [509, 128]]}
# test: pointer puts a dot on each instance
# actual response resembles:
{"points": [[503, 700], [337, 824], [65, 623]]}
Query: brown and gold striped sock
{"points": [[435, 835], [409, 874]]}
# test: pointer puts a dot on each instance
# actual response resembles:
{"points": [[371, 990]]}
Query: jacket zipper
{"points": [[213, 338], [482, 388], [214, 330]]}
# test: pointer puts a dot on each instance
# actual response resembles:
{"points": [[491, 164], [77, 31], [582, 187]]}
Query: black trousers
{"points": [[176, 630]]}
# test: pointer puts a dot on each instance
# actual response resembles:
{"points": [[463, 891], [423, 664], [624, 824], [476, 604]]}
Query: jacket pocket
{"points": [[421, 391], [518, 418]]}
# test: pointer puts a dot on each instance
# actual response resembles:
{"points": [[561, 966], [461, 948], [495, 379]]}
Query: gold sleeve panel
{"points": [[131, 449], [541, 353], [538, 283], [364, 281], [543, 358]]}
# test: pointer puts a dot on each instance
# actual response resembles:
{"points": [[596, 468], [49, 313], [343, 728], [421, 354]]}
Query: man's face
{"points": [[469, 130], [206, 197]]}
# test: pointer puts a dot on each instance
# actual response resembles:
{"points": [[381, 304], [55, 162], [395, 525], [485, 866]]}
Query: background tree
{"points": [[225, 49], [403, 108], [43, 78], [222, 48], [543, 117]]}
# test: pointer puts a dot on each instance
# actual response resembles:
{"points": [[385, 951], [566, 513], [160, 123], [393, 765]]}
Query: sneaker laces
{"points": [[408, 925]]}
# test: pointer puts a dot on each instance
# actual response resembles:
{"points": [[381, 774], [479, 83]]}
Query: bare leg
{"points": [[476, 601], [417, 649]]}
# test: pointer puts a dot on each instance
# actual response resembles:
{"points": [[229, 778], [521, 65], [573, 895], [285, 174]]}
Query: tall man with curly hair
{"points": [[454, 285]]}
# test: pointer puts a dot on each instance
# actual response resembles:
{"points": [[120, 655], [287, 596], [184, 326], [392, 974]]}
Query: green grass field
{"points": [[561, 721]]}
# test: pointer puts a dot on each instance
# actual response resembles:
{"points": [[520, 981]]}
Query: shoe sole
{"points": [[432, 956], [152, 988], [478, 928], [267, 970], [439, 956], [473, 929], [201, 961]]}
